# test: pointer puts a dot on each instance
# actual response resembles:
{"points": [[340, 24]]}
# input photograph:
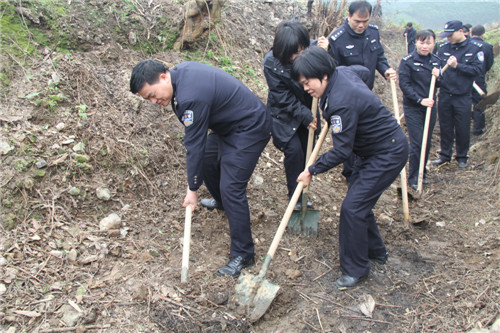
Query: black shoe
{"points": [[414, 186], [346, 281], [210, 203], [462, 165], [439, 161], [298, 205], [481, 132], [235, 265], [381, 260]]}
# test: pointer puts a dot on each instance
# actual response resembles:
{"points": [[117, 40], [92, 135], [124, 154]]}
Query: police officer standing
{"points": [[415, 74], [465, 60], [205, 97], [477, 35], [410, 34], [357, 42], [289, 104], [360, 123]]}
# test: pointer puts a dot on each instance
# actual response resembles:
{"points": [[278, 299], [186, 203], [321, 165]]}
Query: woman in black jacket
{"points": [[415, 73], [289, 104]]}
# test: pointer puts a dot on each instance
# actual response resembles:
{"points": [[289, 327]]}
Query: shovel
{"points": [[186, 244], [306, 220], [404, 185], [486, 99], [253, 294]]}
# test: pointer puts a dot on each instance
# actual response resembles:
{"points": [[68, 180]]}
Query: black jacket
{"points": [[359, 122], [349, 48], [289, 104], [415, 74], [470, 57]]}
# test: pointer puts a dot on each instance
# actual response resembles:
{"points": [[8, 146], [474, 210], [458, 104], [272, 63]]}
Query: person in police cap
{"points": [[415, 73], [360, 123], [465, 61], [477, 35], [357, 42], [204, 97]]}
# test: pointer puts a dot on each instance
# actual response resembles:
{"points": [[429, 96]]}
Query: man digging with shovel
{"points": [[205, 97], [360, 123]]}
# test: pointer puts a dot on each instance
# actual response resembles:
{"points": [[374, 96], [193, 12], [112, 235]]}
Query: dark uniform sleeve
{"points": [[488, 57], [281, 99], [333, 50], [472, 68], [343, 139], [382, 63], [405, 83], [195, 139]]}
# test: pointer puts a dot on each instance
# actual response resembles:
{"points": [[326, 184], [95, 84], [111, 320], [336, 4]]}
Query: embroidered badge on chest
{"points": [[336, 122], [187, 118], [349, 46]]}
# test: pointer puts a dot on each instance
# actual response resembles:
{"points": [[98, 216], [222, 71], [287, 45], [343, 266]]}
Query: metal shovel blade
{"points": [[487, 100], [305, 224], [253, 295]]}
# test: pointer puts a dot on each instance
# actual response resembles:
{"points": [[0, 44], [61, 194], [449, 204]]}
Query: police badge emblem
{"points": [[187, 118], [336, 123], [480, 56]]}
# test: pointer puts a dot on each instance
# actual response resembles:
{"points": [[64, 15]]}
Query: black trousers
{"points": [[454, 113], [295, 158], [415, 122], [359, 237], [228, 165]]}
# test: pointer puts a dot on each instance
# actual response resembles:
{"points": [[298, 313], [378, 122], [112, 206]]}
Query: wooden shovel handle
{"points": [[293, 201], [425, 135], [186, 244], [404, 185]]}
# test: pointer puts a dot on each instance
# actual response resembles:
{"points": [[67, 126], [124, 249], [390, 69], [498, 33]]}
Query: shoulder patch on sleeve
{"points": [[336, 122], [374, 26], [480, 56], [187, 118], [337, 34]]}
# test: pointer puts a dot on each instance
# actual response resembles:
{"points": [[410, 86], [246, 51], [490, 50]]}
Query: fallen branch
{"points": [[74, 328]]}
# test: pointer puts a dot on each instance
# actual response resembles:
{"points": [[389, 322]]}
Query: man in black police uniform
{"points": [[477, 35], [204, 97], [410, 34], [360, 123], [357, 42], [465, 60]]}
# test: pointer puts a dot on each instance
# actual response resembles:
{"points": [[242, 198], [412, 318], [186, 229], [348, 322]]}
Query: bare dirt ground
{"points": [[60, 272]]}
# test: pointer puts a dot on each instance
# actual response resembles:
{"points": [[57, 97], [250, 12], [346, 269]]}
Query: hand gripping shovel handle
{"points": [[310, 141], [186, 244], [404, 188], [291, 205], [425, 135]]}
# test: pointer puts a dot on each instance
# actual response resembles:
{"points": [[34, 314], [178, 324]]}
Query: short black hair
{"points": [[409, 24], [477, 30], [425, 34], [313, 63], [147, 71], [361, 6], [467, 27], [291, 36]]}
